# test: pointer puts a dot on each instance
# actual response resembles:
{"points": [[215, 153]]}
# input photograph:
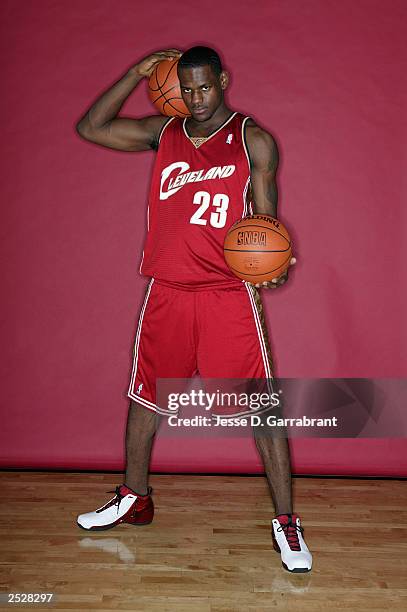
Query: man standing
{"points": [[211, 170]]}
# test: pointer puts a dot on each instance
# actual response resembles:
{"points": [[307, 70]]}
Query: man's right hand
{"points": [[102, 125], [147, 65]]}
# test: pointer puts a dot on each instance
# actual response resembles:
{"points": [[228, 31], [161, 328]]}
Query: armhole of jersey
{"points": [[246, 150], [247, 207], [162, 130]]}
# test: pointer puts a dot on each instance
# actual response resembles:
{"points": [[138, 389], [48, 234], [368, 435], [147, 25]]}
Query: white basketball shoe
{"points": [[126, 506], [288, 541]]}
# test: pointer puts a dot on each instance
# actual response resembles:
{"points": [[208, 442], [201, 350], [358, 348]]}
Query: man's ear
{"points": [[224, 79]]}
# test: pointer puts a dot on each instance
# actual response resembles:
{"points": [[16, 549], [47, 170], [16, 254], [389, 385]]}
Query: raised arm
{"points": [[102, 125]]}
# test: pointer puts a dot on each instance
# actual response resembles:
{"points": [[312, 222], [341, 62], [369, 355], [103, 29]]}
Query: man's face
{"points": [[202, 91]]}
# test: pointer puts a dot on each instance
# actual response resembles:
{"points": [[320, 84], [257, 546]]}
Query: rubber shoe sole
{"points": [[107, 527], [296, 570]]}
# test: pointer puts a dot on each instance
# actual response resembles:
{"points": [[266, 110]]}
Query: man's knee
{"points": [[145, 419]]}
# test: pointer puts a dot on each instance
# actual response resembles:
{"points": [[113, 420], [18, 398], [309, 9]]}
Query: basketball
{"points": [[257, 248], [164, 90]]}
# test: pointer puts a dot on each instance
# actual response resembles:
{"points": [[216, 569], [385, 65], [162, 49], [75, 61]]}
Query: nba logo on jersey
{"points": [[229, 138], [139, 388]]}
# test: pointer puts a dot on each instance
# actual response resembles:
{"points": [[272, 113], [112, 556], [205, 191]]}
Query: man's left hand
{"points": [[276, 282]]}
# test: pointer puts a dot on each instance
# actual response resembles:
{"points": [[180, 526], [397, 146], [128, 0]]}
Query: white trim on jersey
{"points": [[262, 341], [247, 210], [141, 263], [211, 135], [245, 196], [244, 143], [164, 127]]}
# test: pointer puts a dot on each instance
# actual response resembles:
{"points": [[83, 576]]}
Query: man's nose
{"points": [[196, 98]]}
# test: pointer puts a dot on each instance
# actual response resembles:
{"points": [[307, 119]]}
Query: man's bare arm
{"points": [[101, 123], [263, 154]]}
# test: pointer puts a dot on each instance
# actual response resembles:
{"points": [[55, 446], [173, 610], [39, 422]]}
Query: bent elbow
{"points": [[81, 129]]}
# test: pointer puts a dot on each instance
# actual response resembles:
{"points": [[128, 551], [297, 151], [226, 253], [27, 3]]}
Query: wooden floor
{"points": [[209, 548]]}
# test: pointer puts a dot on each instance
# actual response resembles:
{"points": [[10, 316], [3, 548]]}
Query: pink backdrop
{"points": [[327, 78]]}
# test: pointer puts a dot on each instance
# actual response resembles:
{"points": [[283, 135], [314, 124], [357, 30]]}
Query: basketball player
{"points": [[211, 169]]}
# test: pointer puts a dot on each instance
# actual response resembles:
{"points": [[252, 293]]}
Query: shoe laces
{"points": [[113, 502], [291, 531]]}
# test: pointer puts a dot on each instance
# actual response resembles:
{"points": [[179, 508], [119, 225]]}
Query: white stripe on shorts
{"points": [[144, 402], [260, 334], [138, 335]]}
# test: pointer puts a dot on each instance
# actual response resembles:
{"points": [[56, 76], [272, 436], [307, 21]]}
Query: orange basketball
{"points": [[257, 248], [164, 90]]}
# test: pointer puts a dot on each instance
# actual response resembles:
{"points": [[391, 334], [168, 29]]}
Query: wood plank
{"points": [[209, 548]]}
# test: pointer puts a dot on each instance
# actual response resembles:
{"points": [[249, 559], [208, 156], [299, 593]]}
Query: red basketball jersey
{"points": [[196, 195]]}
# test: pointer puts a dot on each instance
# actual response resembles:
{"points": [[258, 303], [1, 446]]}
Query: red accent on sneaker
{"points": [[142, 512], [125, 490], [289, 526], [285, 518]]}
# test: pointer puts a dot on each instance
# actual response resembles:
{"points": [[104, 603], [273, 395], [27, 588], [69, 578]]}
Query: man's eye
{"points": [[186, 90], [205, 87]]}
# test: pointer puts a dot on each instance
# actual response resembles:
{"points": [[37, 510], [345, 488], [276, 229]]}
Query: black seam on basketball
{"points": [[258, 250], [174, 98], [231, 231], [255, 217], [154, 73], [168, 102], [176, 109], [162, 95], [168, 74], [261, 273], [158, 85], [262, 226]]}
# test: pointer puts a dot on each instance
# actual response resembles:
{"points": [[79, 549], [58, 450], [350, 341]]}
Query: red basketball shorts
{"points": [[214, 333]]}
